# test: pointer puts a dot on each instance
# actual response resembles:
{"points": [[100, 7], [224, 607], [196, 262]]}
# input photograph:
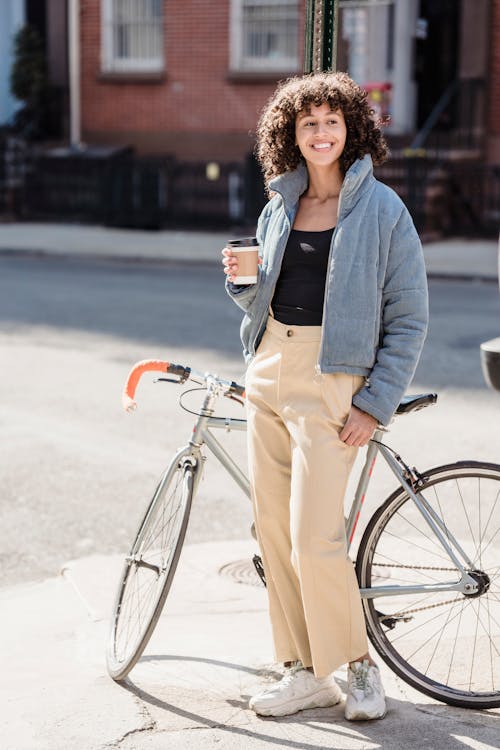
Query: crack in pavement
{"points": [[150, 726]]}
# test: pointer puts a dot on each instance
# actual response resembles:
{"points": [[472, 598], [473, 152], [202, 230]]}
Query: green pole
{"points": [[321, 35]]}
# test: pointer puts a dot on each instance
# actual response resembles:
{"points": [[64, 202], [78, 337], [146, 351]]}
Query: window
{"points": [[264, 35], [132, 35], [366, 43]]}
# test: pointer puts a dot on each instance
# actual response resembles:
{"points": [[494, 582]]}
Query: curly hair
{"points": [[275, 148]]}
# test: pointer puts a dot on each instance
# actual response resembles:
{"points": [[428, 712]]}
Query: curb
{"points": [[106, 257], [185, 261]]}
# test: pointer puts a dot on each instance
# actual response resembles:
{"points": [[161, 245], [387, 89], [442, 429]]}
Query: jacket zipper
{"points": [[320, 351]]}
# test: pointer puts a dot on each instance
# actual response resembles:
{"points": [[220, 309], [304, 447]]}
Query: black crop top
{"points": [[300, 291]]}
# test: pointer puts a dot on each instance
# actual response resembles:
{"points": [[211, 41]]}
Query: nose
{"points": [[321, 129]]}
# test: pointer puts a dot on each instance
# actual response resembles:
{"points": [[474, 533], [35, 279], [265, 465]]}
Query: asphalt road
{"points": [[76, 472]]}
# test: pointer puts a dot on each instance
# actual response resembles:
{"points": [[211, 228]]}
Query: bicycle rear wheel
{"points": [[443, 643], [150, 567]]}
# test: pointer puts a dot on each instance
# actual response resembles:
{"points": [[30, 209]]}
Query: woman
{"points": [[332, 332]]}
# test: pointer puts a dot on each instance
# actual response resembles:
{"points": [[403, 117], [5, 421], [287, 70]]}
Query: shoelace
{"points": [[361, 681], [290, 674]]}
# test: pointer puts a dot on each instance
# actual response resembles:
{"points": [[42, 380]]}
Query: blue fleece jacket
{"points": [[376, 306]]}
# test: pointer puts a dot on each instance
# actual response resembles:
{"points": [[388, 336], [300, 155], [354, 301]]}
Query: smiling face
{"points": [[320, 135]]}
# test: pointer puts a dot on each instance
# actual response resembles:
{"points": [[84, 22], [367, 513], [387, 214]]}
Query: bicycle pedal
{"points": [[257, 561]]}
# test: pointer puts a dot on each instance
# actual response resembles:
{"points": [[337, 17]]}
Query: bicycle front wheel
{"points": [[150, 567], [446, 644]]}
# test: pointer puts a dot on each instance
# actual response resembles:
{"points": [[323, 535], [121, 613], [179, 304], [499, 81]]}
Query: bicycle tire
{"points": [[149, 570], [434, 666]]}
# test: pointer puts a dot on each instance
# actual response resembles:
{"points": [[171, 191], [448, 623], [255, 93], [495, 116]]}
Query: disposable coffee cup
{"points": [[246, 250]]}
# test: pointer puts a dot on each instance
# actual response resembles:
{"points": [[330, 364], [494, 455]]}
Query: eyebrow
{"points": [[308, 114]]}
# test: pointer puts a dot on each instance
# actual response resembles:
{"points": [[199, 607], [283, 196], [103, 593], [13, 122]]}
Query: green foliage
{"points": [[29, 82]]}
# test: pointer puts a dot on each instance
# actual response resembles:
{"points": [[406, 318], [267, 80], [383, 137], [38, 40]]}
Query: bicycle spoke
{"points": [[136, 606], [492, 538], [466, 515], [420, 603], [455, 643], [473, 651], [479, 522], [426, 536], [154, 534], [486, 631], [486, 525], [420, 625], [496, 622], [441, 513], [417, 546], [491, 653], [424, 624], [426, 574], [439, 639], [139, 607]]}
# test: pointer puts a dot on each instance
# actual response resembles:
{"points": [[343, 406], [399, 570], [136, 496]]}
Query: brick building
{"points": [[188, 78], [194, 97]]}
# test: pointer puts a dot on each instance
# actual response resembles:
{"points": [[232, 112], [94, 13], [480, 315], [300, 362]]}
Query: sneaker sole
{"points": [[361, 716], [291, 707]]}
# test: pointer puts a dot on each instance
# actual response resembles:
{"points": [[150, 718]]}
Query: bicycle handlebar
{"points": [[160, 365], [146, 365]]}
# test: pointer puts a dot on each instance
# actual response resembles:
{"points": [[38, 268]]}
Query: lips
{"points": [[321, 146]]}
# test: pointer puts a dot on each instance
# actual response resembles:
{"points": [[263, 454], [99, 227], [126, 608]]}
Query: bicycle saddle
{"points": [[413, 403]]}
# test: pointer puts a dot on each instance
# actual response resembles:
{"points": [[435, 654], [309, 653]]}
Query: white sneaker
{"points": [[297, 690], [365, 695]]}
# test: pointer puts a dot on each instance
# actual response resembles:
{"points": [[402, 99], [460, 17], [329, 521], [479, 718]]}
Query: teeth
{"points": [[322, 145]]}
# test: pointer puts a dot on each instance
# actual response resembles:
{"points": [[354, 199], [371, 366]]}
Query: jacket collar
{"points": [[357, 180]]}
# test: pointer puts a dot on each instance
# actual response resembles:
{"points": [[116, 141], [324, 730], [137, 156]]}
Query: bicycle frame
{"points": [[202, 435], [466, 584]]}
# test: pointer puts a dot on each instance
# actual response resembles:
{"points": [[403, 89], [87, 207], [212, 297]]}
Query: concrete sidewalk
{"points": [[454, 258], [211, 650]]}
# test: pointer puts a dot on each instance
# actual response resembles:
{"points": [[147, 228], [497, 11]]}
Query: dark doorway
{"points": [[36, 16], [436, 59], [49, 18]]}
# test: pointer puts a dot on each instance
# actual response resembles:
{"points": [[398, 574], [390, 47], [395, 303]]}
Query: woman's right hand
{"points": [[230, 263]]}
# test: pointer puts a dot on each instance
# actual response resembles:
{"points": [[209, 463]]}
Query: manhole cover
{"points": [[241, 571]]}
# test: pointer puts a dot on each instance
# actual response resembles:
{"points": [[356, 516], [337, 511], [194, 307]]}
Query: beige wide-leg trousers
{"points": [[298, 472]]}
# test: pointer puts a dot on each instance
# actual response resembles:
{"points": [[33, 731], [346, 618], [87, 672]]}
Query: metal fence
{"points": [[446, 197], [116, 188], [14, 160]]}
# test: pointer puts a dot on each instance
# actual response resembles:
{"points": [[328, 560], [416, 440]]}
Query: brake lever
{"points": [[235, 398]]}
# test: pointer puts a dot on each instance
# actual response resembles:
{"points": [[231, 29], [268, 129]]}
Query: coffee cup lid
{"points": [[244, 242]]}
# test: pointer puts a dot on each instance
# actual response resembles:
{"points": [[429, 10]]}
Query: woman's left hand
{"points": [[358, 428]]}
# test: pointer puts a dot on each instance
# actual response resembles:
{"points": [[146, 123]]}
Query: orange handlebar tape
{"points": [[146, 365]]}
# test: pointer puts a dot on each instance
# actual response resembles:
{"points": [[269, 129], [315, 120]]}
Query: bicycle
{"points": [[427, 564]]}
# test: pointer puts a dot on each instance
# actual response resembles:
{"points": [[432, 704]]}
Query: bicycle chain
{"points": [[419, 609], [412, 567], [416, 567]]}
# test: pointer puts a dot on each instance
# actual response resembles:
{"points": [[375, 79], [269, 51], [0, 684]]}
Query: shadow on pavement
{"points": [[406, 724]]}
